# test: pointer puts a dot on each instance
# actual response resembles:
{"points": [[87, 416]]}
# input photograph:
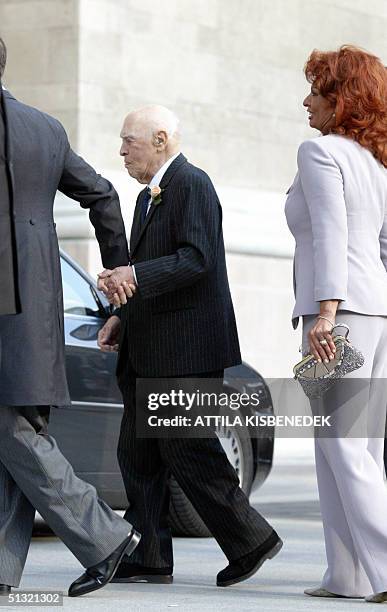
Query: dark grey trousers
{"points": [[35, 475], [201, 468]]}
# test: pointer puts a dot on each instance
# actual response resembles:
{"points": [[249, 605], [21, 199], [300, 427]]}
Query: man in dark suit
{"points": [[33, 472], [179, 323]]}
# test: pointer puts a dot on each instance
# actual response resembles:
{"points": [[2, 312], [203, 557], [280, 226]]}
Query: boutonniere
{"points": [[155, 193]]}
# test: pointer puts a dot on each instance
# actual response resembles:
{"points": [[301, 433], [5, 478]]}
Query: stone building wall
{"points": [[232, 71]]}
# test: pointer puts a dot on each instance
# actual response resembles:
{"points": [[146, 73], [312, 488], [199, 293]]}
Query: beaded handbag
{"points": [[316, 378]]}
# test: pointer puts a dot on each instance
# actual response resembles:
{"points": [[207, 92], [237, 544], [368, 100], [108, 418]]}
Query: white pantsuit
{"points": [[337, 212], [350, 473]]}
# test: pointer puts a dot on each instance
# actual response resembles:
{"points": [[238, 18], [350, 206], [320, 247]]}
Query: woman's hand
{"points": [[320, 338], [321, 341]]}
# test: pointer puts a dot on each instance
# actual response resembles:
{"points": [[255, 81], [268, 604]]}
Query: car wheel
{"points": [[183, 518]]}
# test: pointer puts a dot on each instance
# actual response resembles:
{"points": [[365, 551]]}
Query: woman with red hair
{"points": [[337, 212]]}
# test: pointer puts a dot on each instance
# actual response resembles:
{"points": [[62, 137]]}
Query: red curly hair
{"points": [[355, 82]]}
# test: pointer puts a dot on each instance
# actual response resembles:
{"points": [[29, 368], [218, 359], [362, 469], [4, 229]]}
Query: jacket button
{"points": [[32, 221]]}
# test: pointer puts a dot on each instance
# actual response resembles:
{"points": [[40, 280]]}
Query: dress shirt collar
{"points": [[160, 173]]}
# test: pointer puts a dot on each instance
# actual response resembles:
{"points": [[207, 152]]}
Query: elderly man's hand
{"points": [[109, 334], [118, 284]]}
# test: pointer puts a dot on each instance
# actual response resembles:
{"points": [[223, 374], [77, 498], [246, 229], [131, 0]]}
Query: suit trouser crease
{"points": [[350, 470], [43, 479]]}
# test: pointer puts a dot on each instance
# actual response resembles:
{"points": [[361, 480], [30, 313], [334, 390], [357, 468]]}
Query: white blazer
{"points": [[337, 212]]}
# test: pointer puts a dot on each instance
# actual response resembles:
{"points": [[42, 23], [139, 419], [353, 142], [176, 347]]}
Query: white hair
{"points": [[157, 118]]}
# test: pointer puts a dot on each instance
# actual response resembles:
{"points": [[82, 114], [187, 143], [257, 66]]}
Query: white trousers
{"points": [[350, 471]]}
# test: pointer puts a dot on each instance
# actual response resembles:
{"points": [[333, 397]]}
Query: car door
{"points": [[87, 431]]}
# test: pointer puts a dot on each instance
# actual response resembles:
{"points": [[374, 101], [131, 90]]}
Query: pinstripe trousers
{"points": [[35, 475], [349, 466], [201, 468]]}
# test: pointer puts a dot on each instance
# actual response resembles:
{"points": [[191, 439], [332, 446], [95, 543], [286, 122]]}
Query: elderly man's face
{"points": [[139, 150]]}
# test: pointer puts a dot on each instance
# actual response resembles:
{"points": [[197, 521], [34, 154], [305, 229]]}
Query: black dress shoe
{"points": [[99, 575], [132, 572], [246, 566], [5, 589]]}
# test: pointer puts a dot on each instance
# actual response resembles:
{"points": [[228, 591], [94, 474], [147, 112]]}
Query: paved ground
{"points": [[288, 499]]}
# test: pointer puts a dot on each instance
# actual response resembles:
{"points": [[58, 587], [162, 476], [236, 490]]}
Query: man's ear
{"points": [[160, 140]]}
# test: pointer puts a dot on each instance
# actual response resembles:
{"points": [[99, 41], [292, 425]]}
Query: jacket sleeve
{"points": [[80, 182], [198, 230], [323, 187], [383, 241]]}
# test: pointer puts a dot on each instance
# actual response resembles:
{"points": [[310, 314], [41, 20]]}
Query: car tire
{"points": [[183, 518]]}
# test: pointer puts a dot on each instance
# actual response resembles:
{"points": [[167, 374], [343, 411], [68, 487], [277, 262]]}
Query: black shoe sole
{"points": [[269, 555], [135, 538], [144, 578]]}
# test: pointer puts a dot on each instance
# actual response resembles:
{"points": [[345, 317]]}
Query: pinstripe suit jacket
{"points": [[181, 320]]}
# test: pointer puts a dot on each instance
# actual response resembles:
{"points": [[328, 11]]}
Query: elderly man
{"points": [[34, 475], [179, 323]]}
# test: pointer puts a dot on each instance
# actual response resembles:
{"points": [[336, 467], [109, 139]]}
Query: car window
{"points": [[77, 297]]}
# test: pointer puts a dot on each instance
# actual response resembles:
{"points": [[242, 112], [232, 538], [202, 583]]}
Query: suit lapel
{"points": [[141, 227], [138, 228], [175, 165], [7, 94], [136, 225]]}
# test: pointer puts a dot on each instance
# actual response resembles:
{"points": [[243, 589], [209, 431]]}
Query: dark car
{"points": [[87, 431]]}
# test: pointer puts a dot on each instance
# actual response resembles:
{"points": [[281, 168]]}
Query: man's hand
{"points": [[118, 284], [109, 334]]}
